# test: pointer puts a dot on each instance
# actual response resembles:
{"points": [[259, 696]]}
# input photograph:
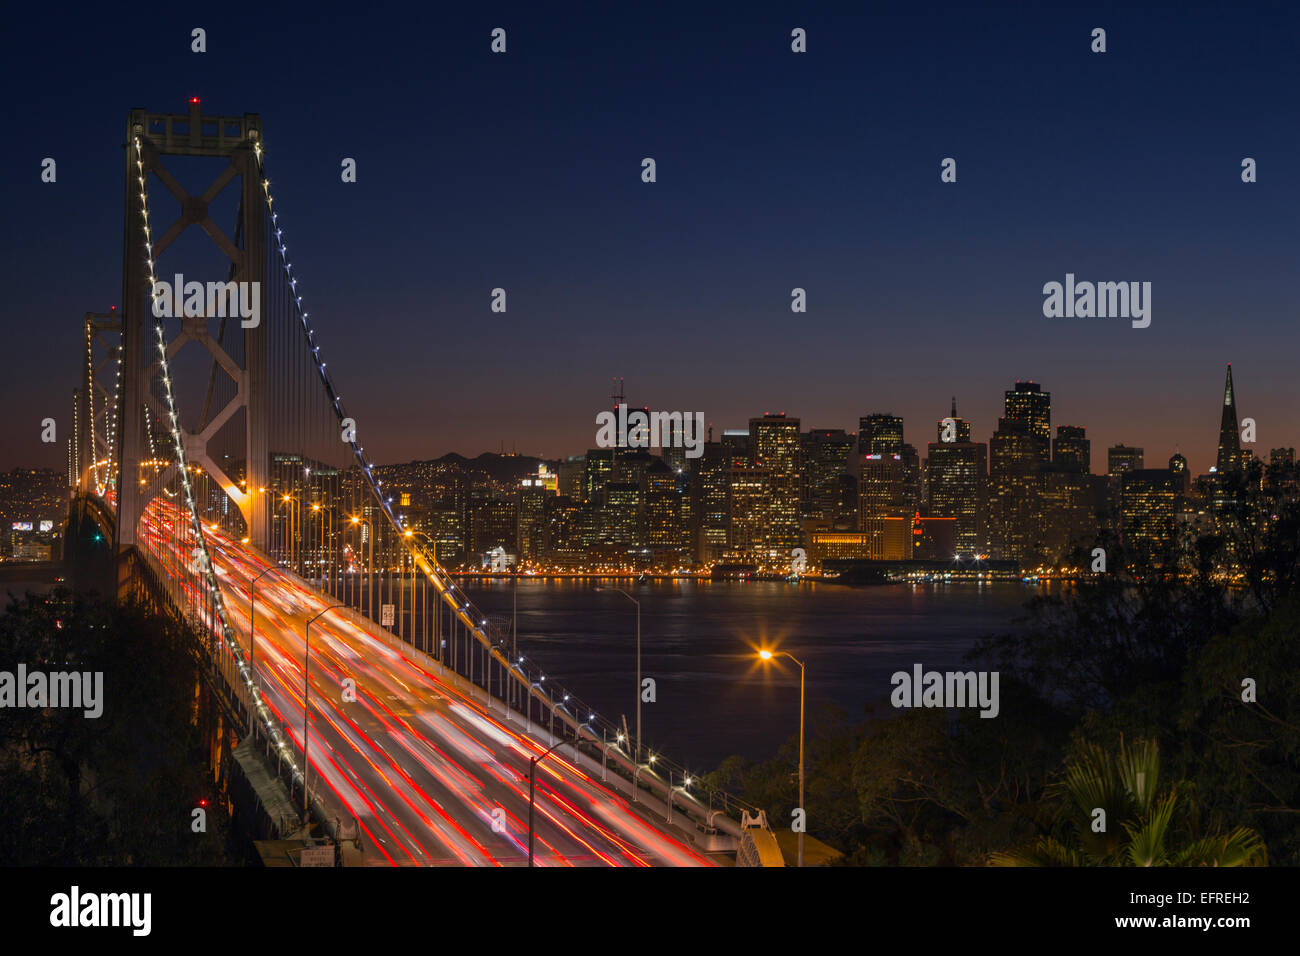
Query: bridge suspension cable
{"points": [[531, 677], [315, 484], [218, 619]]}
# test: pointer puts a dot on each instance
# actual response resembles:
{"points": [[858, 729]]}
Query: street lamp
{"points": [[306, 661], [294, 522], [401, 584], [370, 587], [313, 552], [637, 757], [532, 782], [767, 656]]}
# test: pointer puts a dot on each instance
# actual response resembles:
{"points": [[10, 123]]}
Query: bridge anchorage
{"points": [[240, 498]]}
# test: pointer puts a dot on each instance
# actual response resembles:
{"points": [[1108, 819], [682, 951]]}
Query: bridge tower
{"points": [[234, 141]]}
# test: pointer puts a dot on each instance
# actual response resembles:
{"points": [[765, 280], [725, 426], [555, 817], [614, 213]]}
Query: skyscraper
{"points": [[1028, 408], [1229, 458], [1072, 451], [1018, 451], [749, 504], [957, 479], [1178, 468], [570, 476], [533, 493], [710, 502], [494, 523], [882, 492], [736, 444], [777, 448], [957, 431], [1148, 509], [827, 458], [880, 434], [663, 514], [561, 533], [598, 470], [1122, 458]]}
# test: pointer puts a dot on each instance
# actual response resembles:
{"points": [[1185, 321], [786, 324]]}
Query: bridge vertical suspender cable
{"points": [[218, 617], [318, 415]]}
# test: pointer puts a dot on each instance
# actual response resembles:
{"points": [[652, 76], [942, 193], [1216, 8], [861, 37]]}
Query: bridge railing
{"points": [[522, 682], [479, 656], [522, 690]]}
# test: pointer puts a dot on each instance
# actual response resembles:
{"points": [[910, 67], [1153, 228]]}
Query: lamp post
{"points": [[401, 584], [767, 656], [306, 662], [324, 543], [370, 574], [532, 782], [514, 619], [637, 757], [293, 525]]}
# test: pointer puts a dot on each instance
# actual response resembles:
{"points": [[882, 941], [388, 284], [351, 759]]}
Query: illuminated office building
{"points": [[776, 447], [1072, 451], [1122, 458], [957, 485]]}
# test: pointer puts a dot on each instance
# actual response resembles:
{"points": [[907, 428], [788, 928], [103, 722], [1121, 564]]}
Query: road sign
{"points": [[318, 855], [386, 615]]}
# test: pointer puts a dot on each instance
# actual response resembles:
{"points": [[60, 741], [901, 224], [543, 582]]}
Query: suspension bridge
{"points": [[214, 459]]}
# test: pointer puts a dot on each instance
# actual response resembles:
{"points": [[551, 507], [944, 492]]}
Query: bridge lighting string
{"points": [[110, 413], [439, 577], [270, 727], [467, 612], [100, 487], [112, 425]]}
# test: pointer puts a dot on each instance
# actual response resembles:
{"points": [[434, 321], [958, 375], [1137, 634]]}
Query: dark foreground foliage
{"points": [[119, 789], [1159, 656]]}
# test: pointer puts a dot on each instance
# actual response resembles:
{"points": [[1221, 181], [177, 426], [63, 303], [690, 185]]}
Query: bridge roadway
{"points": [[419, 764]]}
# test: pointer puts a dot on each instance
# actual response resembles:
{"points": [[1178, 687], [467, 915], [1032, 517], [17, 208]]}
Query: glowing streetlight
{"points": [[767, 655]]}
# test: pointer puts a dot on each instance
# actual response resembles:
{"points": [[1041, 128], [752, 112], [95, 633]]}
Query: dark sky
{"points": [[775, 170]]}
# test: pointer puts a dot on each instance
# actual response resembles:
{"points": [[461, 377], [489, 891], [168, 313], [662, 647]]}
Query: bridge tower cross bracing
{"points": [[232, 139]]}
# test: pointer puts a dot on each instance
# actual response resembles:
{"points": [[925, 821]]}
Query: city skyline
{"points": [[1097, 456], [1205, 452]]}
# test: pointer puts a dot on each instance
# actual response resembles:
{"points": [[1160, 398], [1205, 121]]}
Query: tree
{"points": [[1112, 811], [118, 789]]}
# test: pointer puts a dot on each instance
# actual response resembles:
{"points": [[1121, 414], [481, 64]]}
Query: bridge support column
{"points": [[235, 140]]}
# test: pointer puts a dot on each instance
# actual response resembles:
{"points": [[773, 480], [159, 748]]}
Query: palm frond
{"points": [[1042, 852], [1139, 772], [1146, 845], [1242, 847]]}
